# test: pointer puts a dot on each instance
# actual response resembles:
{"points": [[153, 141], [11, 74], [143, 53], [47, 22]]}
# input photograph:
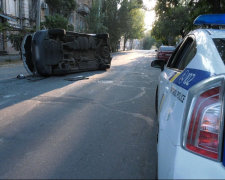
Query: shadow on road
{"points": [[103, 128]]}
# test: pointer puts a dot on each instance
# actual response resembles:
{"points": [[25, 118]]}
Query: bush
{"points": [[70, 27], [16, 38], [56, 21]]}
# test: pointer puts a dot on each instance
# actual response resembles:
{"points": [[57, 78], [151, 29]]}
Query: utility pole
{"points": [[21, 13], [38, 15]]}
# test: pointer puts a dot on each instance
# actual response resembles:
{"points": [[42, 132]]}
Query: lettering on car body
{"points": [[186, 78], [179, 95], [190, 77]]}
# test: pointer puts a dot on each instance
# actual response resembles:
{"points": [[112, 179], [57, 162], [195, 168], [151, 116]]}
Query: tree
{"points": [[56, 21], [111, 21], [173, 20], [206, 6], [148, 41], [131, 19], [63, 7], [4, 26], [137, 25], [95, 19], [175, 17], [118, 18]]}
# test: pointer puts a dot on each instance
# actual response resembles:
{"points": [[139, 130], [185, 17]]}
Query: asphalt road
{"points": [[103, 127]]}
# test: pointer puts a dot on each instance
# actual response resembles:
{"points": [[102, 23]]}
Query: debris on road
{"points": [[35, 78], [21, 76], [77, 78]]}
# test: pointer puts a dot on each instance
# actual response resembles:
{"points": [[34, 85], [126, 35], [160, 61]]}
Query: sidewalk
{"points": [[13, 57], [11, 71]]}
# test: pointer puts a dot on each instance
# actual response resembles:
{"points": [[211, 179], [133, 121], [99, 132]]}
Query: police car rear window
{"points": [[220, 45]]}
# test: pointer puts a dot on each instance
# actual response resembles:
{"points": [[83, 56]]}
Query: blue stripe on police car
{"points": [[190, 77]]}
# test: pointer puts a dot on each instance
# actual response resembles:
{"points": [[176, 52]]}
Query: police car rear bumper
{"points": [[177, 163]]}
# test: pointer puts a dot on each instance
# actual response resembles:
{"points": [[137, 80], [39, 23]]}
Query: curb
{"points": [[10, 58]]}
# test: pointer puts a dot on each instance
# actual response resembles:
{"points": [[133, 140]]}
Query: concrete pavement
{"points": [[101, 128]]}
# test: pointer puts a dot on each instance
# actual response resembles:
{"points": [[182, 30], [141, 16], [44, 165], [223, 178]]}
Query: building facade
{"points": [[77, 18], [21, 14]]}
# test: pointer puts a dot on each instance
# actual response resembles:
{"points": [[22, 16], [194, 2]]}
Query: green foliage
{"points": [[95, 19], [110, 21], [4, 27], [63, 7], [148, 41], [70, 27], [16, 37], [137, 24], [205, 7], [175, 17], [60, 10], [118, 18], [173, 20], [131, 20], [56, 21], [16, 40]]}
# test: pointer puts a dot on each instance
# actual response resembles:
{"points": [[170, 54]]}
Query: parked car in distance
{"points": [[165, 52], [190, 101]]}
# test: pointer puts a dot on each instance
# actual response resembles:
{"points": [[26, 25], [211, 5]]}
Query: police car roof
{"points": [[214, 20], [212, 33]]}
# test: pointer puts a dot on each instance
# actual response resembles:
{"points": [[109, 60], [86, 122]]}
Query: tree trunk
{"points": [[132, 43], [125, 41]]}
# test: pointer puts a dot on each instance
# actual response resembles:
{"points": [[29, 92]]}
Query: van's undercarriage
{"points": [[57, 52]]}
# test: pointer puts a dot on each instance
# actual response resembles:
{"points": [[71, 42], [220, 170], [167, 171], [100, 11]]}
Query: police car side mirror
{"points": [[158, 64]]}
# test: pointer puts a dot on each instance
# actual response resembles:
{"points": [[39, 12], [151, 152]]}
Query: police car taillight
{"points": [[205, 128]]}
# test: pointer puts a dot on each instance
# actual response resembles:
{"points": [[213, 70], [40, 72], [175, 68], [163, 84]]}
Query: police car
{"points": [[190, 103]]}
